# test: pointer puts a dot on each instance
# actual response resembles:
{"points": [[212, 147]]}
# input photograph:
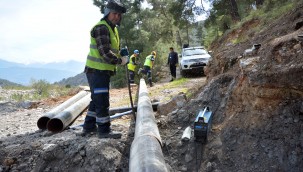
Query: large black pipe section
{"points": [[42, 121], [68, 115], [113, 111], [146, 153]]}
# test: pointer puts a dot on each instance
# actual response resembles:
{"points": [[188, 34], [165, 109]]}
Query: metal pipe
{"points": [[42, 121], [146, 153], [113, 111], [112, 117], [67, 116], [117, 115]]}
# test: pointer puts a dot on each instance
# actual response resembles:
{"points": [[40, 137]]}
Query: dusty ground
{"points": [[23, 147]]}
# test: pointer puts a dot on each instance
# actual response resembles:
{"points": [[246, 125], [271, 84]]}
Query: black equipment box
{"points": [[202, 125]]}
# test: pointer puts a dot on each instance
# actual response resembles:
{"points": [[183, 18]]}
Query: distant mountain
{"points": [[68, 66], [4, 82], [51, 72], [79, 79], [5, 64]]}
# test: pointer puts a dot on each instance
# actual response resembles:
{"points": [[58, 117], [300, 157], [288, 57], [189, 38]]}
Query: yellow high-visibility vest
{"points": [[148, 61], [94, 59], [130, 65]]}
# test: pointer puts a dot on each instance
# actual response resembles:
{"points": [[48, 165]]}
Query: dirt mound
{"points": [[257, 100]]}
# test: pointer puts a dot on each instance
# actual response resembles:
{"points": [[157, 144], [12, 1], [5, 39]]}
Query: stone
{"points": [[208, 166], [175, 103], [188, 158]]}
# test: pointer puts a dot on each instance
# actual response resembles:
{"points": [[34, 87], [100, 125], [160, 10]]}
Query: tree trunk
{"points": [[179, 41], [187, 33], [234, 10]]}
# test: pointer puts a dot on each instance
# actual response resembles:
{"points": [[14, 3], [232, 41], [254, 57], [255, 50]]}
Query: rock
{"points": [[188, 157], [297, 47], [176, 103], [27, 104], [77, 159], [209, 166], [82, 153], [183, 168], [9, 161]]}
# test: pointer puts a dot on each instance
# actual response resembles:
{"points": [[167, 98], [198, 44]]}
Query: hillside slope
{"points": [[257, 99]]}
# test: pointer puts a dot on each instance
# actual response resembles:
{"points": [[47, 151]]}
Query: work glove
{"points": [[124, 52], [124, 60]]}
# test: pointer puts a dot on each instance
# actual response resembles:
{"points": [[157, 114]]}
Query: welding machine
{"points": [[202, 125]]}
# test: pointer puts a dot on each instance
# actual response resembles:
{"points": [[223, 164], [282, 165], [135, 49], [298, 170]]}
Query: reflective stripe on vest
{"points": [[94, 59], [130, 65], [148, 61]]}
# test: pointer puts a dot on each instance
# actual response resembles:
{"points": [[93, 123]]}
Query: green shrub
{"points": [[41, 87]]}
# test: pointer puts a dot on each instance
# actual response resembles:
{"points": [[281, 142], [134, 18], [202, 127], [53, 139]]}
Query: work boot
{"points": [[172, 79], [86, 132], [110, 135]]}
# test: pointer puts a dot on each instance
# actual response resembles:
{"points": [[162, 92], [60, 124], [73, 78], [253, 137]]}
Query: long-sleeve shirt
{"points": [[101, 34]]}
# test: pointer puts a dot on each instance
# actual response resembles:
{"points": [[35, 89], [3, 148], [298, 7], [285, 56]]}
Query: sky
{"points": [[46, 30]]}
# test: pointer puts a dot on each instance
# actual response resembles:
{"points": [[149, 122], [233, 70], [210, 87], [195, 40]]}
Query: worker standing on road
{"points": [[133, 62], [148, 65], [100, 66], [172, 62]]}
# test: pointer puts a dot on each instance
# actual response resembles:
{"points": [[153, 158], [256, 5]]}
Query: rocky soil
{"points": [[23, 147], [256, 102]]}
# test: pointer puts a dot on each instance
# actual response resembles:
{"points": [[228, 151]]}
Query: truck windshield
{"points": [[197, 51]]}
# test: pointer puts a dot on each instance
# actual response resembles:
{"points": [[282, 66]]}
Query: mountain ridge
{"points": [[51, 72]]}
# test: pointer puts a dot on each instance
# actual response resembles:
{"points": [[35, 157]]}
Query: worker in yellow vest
{"points": [[148, 65], [133, 62], [101, 63]]}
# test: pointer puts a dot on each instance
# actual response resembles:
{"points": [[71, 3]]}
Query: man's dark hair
{"points": [[171, 48]]}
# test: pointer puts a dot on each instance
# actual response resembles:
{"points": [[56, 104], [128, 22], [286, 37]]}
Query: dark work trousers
{"points": [[99, 86], [172, 68], [147, 71], [90, 119], [131, 76]]}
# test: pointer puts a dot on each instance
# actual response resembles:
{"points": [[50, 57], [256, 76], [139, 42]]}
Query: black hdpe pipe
{"points": [[146, 153], [113, 111], [129, 89], [42, 121], [67, 116]]}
